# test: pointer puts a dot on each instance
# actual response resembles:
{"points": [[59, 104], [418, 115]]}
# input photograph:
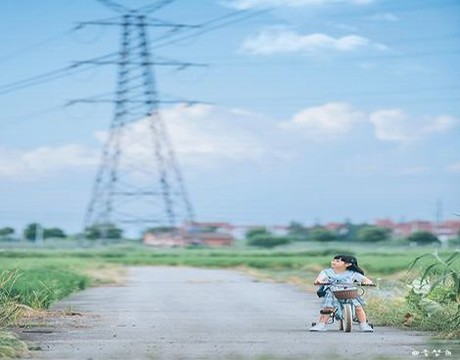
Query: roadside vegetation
{"points": [[431, 300], [33, 282], [419, 288]]}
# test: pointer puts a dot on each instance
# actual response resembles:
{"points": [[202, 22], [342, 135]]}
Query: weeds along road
{"points": [[189, 313]]}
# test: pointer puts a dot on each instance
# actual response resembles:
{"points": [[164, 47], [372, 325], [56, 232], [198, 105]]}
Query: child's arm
{"points": [[367, 281], [362, 279], [322, 277]]}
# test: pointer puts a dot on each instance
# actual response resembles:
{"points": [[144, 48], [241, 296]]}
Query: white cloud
{"points": [[327, 121], [280, 40], [454, 168], [416, 170], [44, 160], [249, 4], [333, 120], [390, 125], [438, 124], [204, 135], [342, 26], [367, 65], [396, 125], [384, 17]]}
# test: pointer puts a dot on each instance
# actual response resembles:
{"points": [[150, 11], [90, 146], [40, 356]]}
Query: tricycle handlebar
{"points": [[348, 284]]}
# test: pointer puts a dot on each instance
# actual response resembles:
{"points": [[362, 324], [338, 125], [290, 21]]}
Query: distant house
{"points": [[164, 239], [384, 223], [240, 231], [338, 228], [212, 234], [448, 229], [278, 230], [444, 230], [213, 239], [207, 234]]}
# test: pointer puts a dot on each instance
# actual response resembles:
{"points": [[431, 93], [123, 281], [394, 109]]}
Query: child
{"points": [[344, 269]]}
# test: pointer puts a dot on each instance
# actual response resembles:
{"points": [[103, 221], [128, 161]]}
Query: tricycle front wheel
{"points": [[347, 318]]}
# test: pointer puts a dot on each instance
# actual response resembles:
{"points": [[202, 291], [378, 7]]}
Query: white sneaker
{"points": [[365, 327], [319, 327]]}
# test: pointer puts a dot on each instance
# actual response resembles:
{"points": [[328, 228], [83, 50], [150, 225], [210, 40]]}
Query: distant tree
{"points": [[350, 232], [454, 241], [54, 233], [257, 231], [422, 238], [30, 232], [6, 231], [208, 229], [373, 234], [322, 235], [267, 240], [297, 231], [160, 229], [103, 231]]}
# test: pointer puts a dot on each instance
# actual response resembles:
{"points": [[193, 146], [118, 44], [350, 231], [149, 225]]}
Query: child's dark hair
{"points": [[350, 260]]}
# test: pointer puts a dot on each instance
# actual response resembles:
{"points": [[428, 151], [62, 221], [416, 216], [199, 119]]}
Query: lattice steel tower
{"points": [[139, 182]]}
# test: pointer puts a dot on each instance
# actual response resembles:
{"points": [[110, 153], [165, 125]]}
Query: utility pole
{"points": [[139, 183], [39, 232], [438, 225]]}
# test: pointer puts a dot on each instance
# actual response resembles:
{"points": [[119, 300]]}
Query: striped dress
{"points": [[328, 275]]}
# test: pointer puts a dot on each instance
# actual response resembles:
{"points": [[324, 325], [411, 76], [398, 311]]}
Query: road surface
{"points": [[190, 313]]}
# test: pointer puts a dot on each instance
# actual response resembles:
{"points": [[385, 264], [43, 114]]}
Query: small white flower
{"points": [[420, 287]]}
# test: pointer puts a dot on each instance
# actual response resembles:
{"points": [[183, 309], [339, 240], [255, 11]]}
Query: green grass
{"points": [[36, 282], [40, 287], [374, 262], [10, 346], [258, 259], [44, 276]]}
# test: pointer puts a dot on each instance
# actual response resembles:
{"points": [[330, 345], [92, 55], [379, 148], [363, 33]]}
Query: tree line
{"points": [[258, 237], [362, 233], [35, 232]]}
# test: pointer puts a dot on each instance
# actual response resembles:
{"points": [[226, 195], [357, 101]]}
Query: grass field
{"points": [[39, 277]]}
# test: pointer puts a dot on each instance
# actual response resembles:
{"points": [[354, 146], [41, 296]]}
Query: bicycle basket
{"points": [[344, 294]]}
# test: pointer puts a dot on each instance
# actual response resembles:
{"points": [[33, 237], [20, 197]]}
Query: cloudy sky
{"points": [[312, 110]]}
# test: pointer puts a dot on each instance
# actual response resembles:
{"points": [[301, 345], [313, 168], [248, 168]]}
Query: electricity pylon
{"points": [[139, 183]]}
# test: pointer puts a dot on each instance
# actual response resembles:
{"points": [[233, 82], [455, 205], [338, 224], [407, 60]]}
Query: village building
{"points": [[205, 234]]}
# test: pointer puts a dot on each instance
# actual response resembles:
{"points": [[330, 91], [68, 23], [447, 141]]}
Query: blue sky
{"points": [[316, 110]]}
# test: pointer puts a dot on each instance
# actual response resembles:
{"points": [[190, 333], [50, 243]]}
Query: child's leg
{"points": [[363, 325], [321, 325], [325, 314], [360, 314]]}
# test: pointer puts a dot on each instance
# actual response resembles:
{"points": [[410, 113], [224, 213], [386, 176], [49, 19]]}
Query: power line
{"points": [[343, 58], [145, 9], [61, 73], [420, 6], [215, 27], [113, 5], [35, 80], [24, 50], [41, 79], [49, 76], [154, 7], [37, 113], [417, 6]]}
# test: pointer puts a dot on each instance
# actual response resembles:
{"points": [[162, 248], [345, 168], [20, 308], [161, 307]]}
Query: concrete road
{"points": [[189, 313]]}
